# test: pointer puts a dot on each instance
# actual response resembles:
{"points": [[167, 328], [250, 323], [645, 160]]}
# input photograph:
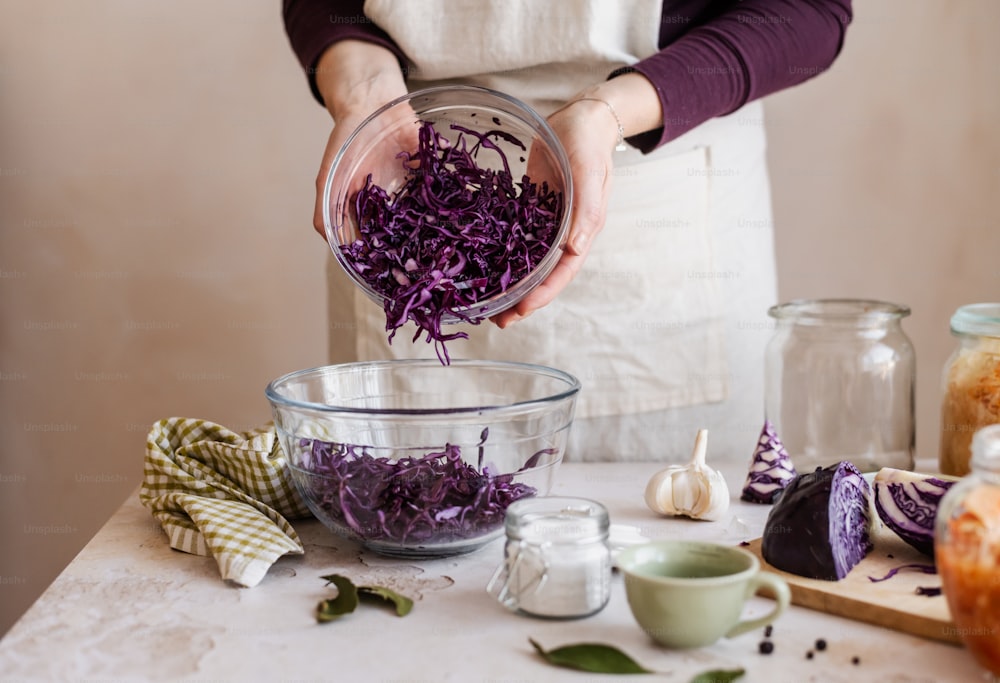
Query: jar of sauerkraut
{"points": [[971, 384], [967, 551]]}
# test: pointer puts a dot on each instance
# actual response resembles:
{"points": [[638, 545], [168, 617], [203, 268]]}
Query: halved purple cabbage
{"points": [[907, 503], [819, 526], [770, 468]]}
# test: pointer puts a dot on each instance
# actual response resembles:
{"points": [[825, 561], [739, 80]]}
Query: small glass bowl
{"points": [[374, 148], [415, 459]]}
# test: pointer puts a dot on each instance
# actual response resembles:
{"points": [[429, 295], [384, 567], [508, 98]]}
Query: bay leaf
{"points": [[718, 676], [402, 603], [592, 657], [345, 602]]}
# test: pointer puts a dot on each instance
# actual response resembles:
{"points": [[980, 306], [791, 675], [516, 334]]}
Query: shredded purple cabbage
{"points": [[924, 568], [453, 235], [435, 498]]}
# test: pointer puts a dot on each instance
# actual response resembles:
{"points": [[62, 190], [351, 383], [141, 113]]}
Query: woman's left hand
{"points": [[588, 131]]}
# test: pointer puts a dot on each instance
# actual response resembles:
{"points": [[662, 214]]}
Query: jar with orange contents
{"points": [[970, 384], [967, 550]]}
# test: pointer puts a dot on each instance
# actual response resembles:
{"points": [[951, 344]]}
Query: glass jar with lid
{"points": [[967, 551], [970, 384], [839, 383], [557, 559]]}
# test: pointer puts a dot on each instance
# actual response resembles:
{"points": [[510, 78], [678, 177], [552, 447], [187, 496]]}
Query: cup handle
{"points": [[782, 598]]}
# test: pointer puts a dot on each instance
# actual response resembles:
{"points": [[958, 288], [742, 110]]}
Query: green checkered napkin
{"points": [[222, 493]]}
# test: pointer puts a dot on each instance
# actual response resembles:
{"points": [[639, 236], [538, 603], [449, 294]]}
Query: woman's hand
{"points": [[355, 78], [588, 133], [588, 129]]}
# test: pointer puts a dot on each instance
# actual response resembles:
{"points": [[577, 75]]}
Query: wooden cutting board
{"points": [[892, 604]]}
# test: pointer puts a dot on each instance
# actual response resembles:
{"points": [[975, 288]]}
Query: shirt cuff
{"points": [[313, 29], [695, 81]]}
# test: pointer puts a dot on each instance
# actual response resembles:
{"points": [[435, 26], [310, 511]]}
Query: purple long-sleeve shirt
{"points": [[715, 55]]}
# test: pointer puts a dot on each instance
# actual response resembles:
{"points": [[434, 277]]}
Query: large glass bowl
{"points": [[417, 459], [375, 146]]}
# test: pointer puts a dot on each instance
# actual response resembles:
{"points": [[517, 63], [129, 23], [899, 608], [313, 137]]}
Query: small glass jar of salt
{"points": [[557, 560]]}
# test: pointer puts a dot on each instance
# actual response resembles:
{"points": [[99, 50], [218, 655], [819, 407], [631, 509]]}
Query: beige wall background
{"points": [[156, 256]]}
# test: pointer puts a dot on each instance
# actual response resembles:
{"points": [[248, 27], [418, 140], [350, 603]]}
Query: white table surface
{"points": [[128, 608]]}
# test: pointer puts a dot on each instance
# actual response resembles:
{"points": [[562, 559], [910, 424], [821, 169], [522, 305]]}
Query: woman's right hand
{"points": [[354, 78]]}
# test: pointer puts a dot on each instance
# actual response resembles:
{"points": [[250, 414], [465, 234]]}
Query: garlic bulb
{"points": [[694, 490]]}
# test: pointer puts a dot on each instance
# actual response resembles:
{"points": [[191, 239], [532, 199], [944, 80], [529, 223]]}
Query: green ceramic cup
{"points": [[687, 594]]}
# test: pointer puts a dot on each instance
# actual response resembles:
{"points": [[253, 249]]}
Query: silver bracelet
{"points": [[620, 144]]}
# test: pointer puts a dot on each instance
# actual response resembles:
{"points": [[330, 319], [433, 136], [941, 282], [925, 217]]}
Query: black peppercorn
{"points": [[855, 660], [809, 655], [821, 644], [766, 647], [768, 630]]}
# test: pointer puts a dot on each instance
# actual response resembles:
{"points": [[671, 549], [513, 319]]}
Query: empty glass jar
{"points": [[839, 383]]}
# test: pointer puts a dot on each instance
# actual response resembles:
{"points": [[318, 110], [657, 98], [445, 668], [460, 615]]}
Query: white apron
{"points": [[666, 323]]}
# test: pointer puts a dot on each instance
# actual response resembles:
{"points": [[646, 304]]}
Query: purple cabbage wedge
{"points": [[819, 526], [907, 503], [453, 235], [430, 499], [770, 468]]}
